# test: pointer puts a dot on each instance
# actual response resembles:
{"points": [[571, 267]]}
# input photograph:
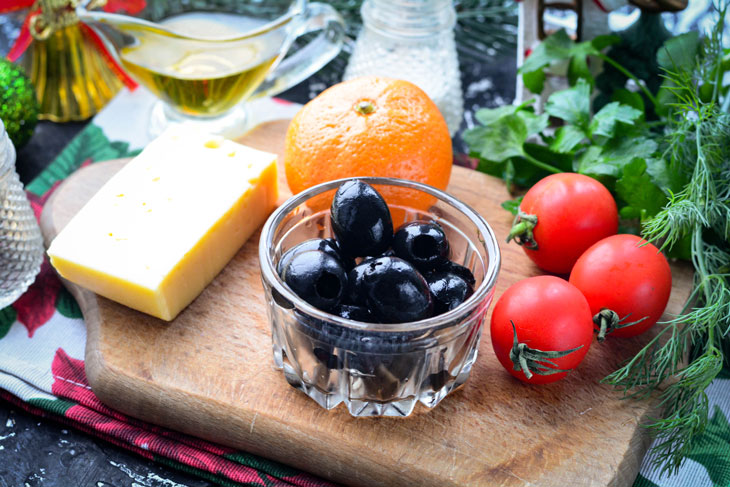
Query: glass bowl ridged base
{"points": [[377, 369], [371, 375]]}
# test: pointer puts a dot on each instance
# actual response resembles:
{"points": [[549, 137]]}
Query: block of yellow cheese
{"points": [[166, 224]]}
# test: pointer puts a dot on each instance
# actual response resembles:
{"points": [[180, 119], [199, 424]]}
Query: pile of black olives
{"points": [[367, 272]]}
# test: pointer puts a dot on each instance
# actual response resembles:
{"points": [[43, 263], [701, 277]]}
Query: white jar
{"points": [[412, 40]]}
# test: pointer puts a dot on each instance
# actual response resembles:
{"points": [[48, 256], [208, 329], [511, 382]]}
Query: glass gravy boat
{"points": [[204, 58]]}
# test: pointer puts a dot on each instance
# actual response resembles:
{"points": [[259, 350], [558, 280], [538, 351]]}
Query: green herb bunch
{"points": [[671, 180], [614, 145], [697, 180]]}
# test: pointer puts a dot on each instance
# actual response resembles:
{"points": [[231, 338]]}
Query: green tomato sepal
{"points": [[607, 320], [522, 230], [533, 361]]}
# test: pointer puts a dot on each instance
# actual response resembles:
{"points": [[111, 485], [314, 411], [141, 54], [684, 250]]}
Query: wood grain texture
{"points": [[209, 373]]}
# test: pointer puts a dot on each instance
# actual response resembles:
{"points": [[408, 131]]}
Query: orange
{"points": [[368, 126]]}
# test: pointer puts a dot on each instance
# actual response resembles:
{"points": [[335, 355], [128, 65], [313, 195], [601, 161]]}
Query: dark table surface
{"points": [[35, 452]]}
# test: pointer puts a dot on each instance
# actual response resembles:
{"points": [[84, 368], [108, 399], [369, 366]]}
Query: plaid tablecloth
{"points": [[42, 341]]}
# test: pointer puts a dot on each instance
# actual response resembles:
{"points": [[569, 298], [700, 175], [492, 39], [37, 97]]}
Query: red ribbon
{"points": [[25, 38], [11, 5]]}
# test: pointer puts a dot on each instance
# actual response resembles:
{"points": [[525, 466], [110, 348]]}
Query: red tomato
{"points": [[628, 276], [549, 315], [573, 212]]}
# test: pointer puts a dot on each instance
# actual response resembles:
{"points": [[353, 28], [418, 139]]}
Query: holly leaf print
{"points": [[712, 449], [7, 318], [67, 306], [37, 305]]}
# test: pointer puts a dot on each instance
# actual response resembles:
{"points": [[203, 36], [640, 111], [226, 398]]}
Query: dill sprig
{"points": [[690, 351]]}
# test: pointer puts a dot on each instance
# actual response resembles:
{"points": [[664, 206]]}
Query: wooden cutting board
{"points": [[209, 373]]}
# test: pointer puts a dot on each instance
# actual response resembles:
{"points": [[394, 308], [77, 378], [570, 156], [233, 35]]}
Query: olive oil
{"points": [[208, 75]]}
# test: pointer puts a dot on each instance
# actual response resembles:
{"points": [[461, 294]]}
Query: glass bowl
{"points": [[377, 369]]}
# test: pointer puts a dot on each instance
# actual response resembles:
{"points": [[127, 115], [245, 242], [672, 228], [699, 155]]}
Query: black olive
{"points": [[448, 290], [459, 270], [317, 278], [347, 261], [328, 246], [423, 244], [387, 253], [361, 220], [355, 292], [396, 292], [354, 312]]}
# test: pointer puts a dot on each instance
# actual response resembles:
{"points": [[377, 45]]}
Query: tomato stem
{"points": [[522, 227], [541, 165], [533, 361], [607, 320]]}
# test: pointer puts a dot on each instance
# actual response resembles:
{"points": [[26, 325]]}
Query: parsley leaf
{"points": [[668, 177], [590, 163], [560, 47], [636, 188], [624, 149], [504, 131], [610, 159], [578, 69], [534, 81], [501, 139], [604, 122], [572, 105], [566, 139], [487, 116], [534, 123], [512, 205]]}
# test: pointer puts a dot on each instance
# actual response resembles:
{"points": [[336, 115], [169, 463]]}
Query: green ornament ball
{"points": [[18, 103]]}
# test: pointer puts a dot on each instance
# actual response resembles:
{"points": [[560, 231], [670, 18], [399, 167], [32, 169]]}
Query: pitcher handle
{"points": [[310, 58]]}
